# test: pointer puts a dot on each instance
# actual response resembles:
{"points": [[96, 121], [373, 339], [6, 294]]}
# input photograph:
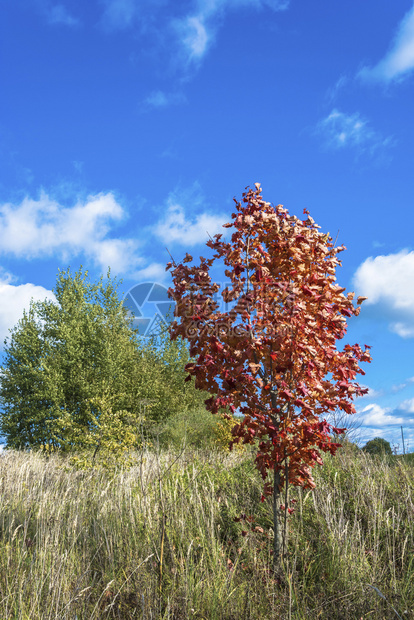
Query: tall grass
{"points": [[185, 535]]}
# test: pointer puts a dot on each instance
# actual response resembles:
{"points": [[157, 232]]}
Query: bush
{"points": [[378, 446], [195, 428]]}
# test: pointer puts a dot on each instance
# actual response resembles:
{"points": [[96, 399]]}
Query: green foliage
{"points": [[162, 377], [196, 428], [192, 428], [378, 446], [76, 376]]}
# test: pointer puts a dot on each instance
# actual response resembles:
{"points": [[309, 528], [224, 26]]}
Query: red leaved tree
{"points": [[271, 354]]}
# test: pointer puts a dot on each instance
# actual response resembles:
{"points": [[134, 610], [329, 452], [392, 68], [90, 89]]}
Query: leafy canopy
{"points": [[272, 356], [77, 377]]}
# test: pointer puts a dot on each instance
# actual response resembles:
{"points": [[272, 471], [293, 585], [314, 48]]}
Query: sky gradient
{"points": [[129, 125]]}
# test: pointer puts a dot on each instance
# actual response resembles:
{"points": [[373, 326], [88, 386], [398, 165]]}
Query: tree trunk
{"points": [[277, 542]]}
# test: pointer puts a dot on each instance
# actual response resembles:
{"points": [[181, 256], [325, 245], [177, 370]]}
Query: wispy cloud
{"points": [[341, 130], [371, 393], [118, 14], [160, 99], [59, 14], [398, 387], [402, 386], [399, 60], [333, 92], [197, 30], [43, 227], [195, 35], [387, 281], [175, 227], [186, 31]]}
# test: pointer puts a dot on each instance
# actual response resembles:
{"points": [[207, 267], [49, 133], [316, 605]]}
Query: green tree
{"points": [[76, 374], [378, 446], [174, 394]]}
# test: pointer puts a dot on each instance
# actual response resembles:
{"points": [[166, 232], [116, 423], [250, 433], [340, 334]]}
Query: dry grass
{"points": [[160, 541]]}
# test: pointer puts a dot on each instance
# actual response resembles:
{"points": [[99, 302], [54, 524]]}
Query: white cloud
{"points": [[332, 93], [43, 227], [195, 36], [187, 30], [398, 387], [407, 405], [160, 99], [375, 415], [401, 386], [15, 299], [212, 6], [119, 254], [175, 228], [371, 393], [155, 272], [350, 130], [387, 281], [58, 14], [196, 31], [399, 60]]}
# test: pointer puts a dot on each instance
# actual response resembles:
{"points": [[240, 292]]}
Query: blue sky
{"points": [[129, 125]]}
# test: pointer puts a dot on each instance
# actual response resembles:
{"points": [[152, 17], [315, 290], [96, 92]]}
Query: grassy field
{"points": [[185, 535]]}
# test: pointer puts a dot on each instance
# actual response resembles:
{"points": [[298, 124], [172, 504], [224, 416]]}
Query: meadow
{"points": [[183, 533]]}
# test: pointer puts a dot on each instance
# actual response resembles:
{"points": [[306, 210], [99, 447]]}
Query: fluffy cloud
{"points": [[380, 421], [407, 405], [387, 282], [155, 272], [14, 299], [43, 227], [342, 130], [399, 60], [375, 415], [175, 228]]}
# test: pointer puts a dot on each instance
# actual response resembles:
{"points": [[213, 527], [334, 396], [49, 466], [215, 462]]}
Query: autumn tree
{"points": [[270, 354]]}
